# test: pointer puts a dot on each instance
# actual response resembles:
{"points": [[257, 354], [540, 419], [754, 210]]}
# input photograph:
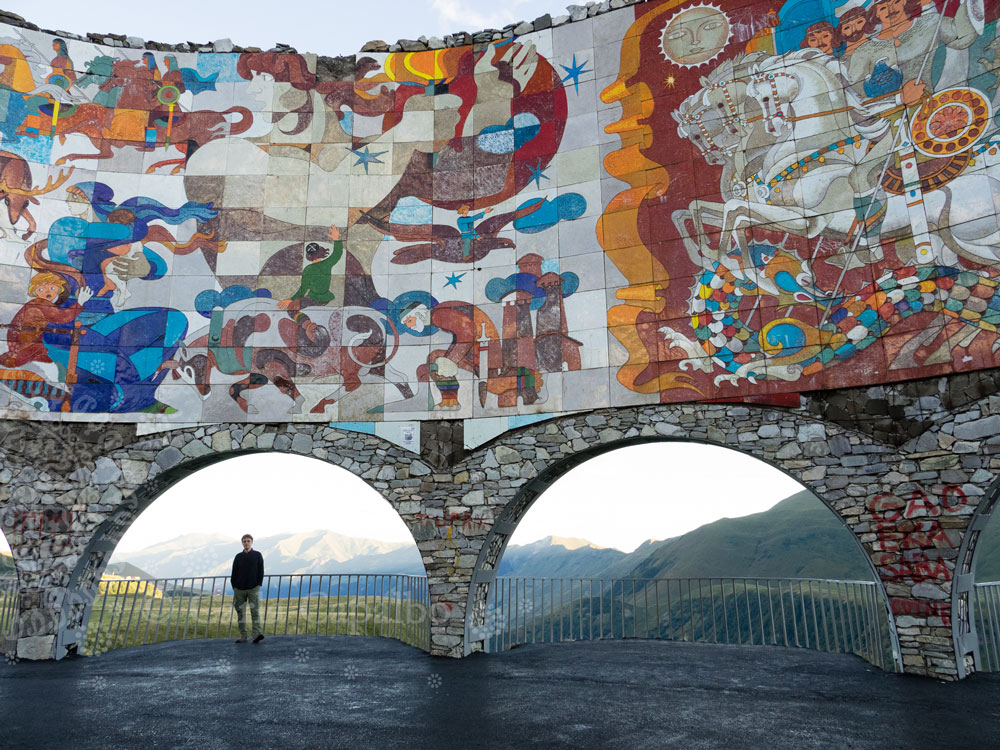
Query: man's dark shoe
{"points": [[241, 639], [258, 638]]}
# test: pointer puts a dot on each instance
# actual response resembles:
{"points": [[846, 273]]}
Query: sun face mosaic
{"points": [[674, 201]]}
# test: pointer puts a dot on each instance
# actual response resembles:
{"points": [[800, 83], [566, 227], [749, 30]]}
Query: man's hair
{"points": [[246, 536], [121, 216], [316, 252], [853, 13]]}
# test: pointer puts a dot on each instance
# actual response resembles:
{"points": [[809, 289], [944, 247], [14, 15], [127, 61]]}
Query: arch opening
{"points": [[827, 598], [338, 559], [976, 591], [9, 610]]}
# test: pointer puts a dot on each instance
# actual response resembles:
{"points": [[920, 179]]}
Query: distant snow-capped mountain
{"points": [[302, 552]]}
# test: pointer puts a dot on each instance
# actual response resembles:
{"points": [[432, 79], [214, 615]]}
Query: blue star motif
{"points": [[574, 71], [366, 157], [538, 173], [453, 280]]}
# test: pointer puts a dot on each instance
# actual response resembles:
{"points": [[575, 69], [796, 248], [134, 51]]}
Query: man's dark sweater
{"points": [[248, 570]]}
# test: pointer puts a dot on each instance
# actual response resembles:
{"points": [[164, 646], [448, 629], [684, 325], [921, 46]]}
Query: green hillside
{"points": [[127, 570], [557, 557], [797, 538], [6, 565]]}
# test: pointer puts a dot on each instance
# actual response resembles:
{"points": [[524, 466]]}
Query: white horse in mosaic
{"points": [[719, 121], [827, 149]]}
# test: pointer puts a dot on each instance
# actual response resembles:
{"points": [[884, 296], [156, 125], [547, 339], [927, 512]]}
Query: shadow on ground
{"points": [[340, 692]]}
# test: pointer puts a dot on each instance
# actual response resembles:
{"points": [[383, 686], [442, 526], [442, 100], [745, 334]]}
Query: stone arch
{"points": [[102, 478], [8, 606], [98, 552], [779, 438], [962, 602]]}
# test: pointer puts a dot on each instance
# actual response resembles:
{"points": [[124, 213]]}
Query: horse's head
{"points": [[774, 91], [98, 70], [705, 128], [193, 370]]}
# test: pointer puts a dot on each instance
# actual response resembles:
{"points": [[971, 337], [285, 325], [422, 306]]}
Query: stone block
{"points": [[169, 457], [978, 429], [195, 449], [222, 441], [135, 472], [929, 591], [505, 455], [302, 443], [769, 431], [106, 471], [811, 432], [36, 647], [791, 450], [440, 639]]}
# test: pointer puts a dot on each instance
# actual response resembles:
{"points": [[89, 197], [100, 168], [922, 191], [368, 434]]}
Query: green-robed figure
{"points": [[316, 276]]}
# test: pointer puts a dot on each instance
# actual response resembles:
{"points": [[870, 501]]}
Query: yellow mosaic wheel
{"points": [[950, 122]]}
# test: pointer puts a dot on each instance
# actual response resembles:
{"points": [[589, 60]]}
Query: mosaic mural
{"points": [[675, 201]]}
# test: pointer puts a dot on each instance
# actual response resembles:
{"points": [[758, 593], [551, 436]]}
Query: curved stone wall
{"points": [[914, 495], [671, 201]]}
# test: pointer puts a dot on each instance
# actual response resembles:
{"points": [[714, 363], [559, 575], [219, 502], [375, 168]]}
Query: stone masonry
{"points": [[908, 488]]}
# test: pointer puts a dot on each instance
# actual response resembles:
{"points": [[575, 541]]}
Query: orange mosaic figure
{"points": [[24, 333]]}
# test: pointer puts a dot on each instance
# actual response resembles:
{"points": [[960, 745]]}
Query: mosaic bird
{"points": [[883, 79], [443, 242]]}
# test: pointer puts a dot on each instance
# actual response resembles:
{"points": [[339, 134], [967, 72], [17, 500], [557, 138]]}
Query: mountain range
{"points": [[296, 552], [797, 538]]}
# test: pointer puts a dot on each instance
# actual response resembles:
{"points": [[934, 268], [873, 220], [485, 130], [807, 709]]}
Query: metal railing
{"points": [[8, 611], [986, 609], [826, 615], [132, 612]]}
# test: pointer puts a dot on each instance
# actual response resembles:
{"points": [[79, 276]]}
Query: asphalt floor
{"points": [[342, 692]]}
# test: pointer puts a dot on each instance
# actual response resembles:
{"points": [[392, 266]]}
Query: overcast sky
{"points": [[619, 499], [329, 28]]}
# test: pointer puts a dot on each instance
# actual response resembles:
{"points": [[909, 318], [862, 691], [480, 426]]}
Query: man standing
{"points": [[248, 575]]}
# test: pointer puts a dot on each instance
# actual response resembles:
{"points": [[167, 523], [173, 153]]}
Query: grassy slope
{"points": [[798, 537]]}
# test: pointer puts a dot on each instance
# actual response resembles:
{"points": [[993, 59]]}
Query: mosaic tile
{"points": [[668, 202]]}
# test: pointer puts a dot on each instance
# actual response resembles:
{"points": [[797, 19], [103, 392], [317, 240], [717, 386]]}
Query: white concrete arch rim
{"points": [[964, 631]]}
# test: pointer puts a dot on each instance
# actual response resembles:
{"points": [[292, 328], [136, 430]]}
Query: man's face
{"points": [[247, 543], [821, 40], [891, 12], [853, 29], [416, 319]]}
